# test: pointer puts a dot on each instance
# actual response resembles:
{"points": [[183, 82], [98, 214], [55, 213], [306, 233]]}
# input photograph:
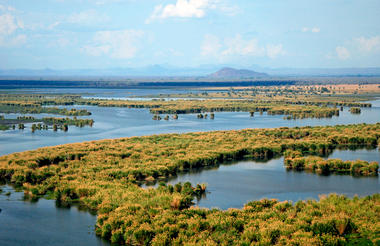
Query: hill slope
{"points": [[236, 73]]}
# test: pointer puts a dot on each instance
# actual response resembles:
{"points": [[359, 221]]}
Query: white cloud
{"points": [[211, 45], [52, 26], [273, 51], [8, 24], [230, 10], [8, 27], [87, 17], [191, 9], [18, 40], [6, 8], [12, 41], [342, 53], [357, 47], [182, 8], [315, 29], [311, 29], [368, 44], [121, 44], [238, 46]]}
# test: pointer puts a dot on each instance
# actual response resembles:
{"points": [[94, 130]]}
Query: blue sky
{"points": [[72, 34]]}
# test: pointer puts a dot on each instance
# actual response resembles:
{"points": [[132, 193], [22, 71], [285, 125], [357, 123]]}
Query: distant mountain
{"points": [[228, 72], [201, 71]]}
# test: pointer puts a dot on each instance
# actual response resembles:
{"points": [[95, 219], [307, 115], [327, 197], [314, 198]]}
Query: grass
{"points": [[23, 107], [4, 127], [295, 161], [355, 110], [103, 176]]}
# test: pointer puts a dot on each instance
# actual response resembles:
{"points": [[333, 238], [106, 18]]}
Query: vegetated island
{"points": [[103, 175], [44, 123], [323, 92], [292, 109], [23, 107]]}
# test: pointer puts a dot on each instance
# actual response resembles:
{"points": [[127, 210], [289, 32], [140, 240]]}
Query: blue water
{"points": [[42, 223], [235, 184], [123, 122]]}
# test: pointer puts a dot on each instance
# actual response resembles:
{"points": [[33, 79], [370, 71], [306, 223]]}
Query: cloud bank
{"points": [[121, 44], [238, 46]]}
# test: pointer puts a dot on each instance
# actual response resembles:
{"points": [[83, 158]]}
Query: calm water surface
{"points": [[42, 223], [102, 93], [233, 185]]}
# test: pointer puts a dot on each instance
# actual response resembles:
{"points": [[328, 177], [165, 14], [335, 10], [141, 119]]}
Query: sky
{"points": [[81, 34]]}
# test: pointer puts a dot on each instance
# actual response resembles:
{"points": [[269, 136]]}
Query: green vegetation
{"points": [[355, 110], [102, 175], [23, 107], [156, 117], [39, 127], [68, 121], [62, 123], [295, 160], [344, 95], [305, 112], [4, 127], [200, 106]]}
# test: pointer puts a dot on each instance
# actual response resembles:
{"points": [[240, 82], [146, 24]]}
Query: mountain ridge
{"points": [[228, 72], [199, 71]]}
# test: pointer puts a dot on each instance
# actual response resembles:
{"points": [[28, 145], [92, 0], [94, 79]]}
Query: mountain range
{"points": [[210, 71]]}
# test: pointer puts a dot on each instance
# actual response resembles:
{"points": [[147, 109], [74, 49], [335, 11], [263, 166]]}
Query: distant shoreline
{"points": [[169, 82]]}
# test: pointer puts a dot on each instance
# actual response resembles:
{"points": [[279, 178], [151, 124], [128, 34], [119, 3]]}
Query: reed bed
{"points": [[104, 176]]}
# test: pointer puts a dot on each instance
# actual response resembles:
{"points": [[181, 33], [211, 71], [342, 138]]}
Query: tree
{"points": [[355, 110], [34, 128]]}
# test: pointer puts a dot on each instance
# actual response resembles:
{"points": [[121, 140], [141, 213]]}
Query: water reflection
{"points": [[42, 223], [234, 184]]}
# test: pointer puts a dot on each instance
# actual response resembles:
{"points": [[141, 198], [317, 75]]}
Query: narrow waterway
{"points": [[233, 185]]}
